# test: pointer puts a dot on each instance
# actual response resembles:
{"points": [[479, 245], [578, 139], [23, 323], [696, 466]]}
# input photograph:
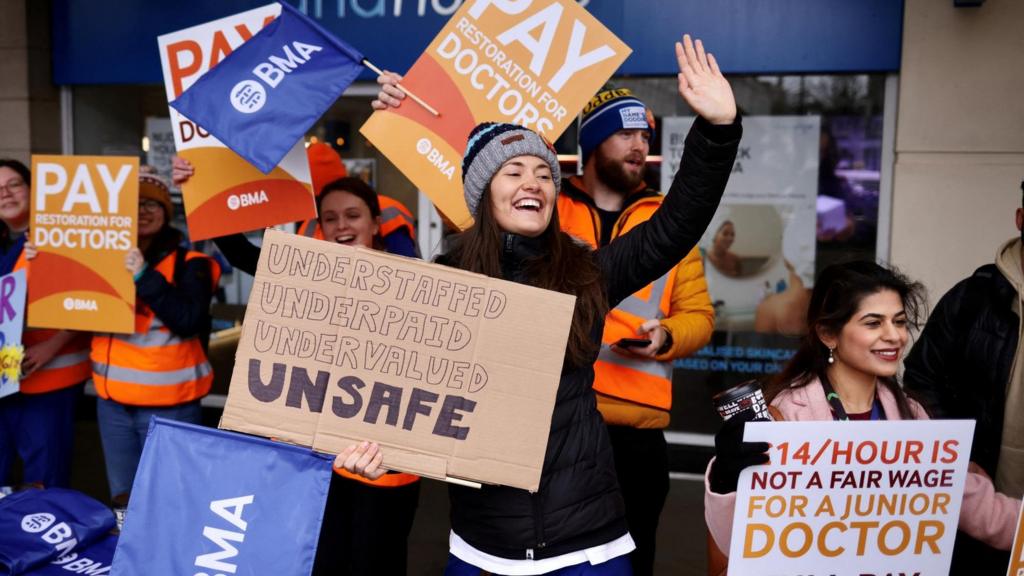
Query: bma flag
{"points": [[216, 502], [263, 97]]}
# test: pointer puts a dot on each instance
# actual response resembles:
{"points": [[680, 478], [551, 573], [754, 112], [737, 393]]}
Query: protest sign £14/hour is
{"points": [[851, 498]]}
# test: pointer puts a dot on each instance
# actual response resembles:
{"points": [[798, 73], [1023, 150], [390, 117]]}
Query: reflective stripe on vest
{"points": [[394, 215], [70, 359], [311, 229], [69, 367], [635, 379], [154, 366], [153, 378]]}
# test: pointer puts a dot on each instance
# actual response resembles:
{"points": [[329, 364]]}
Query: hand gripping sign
{"points": [[453, 373], [851, 498], [227, 194], [529, 62], [84, 221]]}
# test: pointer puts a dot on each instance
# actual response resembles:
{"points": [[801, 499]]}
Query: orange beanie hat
{"points": [[325, 165]]}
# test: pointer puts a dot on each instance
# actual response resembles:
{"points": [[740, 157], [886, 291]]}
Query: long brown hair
{"points": [[564, 266], [836, 297]]}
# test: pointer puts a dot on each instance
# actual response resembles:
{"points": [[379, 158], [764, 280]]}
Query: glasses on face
{"points": [[149, 206], [13, 186]]}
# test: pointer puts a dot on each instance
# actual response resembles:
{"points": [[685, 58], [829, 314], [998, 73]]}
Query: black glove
{"points": [[732, 454]]}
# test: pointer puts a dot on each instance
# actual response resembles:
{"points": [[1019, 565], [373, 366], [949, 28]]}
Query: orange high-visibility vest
{"points": [[393, 216], [69, 367], [153, 366], [647, 382]]}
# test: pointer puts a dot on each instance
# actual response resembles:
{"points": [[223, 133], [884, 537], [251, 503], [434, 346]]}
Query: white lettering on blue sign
{"points": [[231, 510]]}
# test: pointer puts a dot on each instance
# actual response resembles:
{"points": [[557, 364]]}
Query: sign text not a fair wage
{"points": [[851, 498], [453, 373]]}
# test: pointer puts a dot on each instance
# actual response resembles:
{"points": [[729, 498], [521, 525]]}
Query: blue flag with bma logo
{"points": [[207, 501], [263, 97]]}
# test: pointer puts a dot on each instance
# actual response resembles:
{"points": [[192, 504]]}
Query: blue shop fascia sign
{"points": [[748, 36]]}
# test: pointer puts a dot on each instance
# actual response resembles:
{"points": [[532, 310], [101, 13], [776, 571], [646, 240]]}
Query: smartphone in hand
{"points": [[633, 343]]}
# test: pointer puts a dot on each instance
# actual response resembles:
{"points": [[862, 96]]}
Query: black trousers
{"points": [[365, 530], [641, 463]]}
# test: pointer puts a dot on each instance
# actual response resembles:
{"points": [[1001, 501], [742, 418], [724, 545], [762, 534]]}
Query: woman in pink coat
{"points": [[858, 325]]}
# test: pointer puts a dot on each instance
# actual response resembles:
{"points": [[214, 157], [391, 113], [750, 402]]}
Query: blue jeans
{"points": [[123, 431], [40, 429], [618, 566]]}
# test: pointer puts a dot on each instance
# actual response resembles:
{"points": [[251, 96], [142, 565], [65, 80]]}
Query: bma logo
{"points": [[35, 523], [424, 147], [80, 304], [249, 96], [246, 199], [58, 534]]}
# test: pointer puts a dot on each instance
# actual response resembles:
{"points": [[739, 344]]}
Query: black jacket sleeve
{"points": [[240, 252], [184, 308], [652, 248], [928, 368]]}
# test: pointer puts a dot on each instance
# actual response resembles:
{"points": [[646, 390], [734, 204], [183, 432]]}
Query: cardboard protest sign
{"points": [[227, 194], [12, 319], [851, 498], [84, 221], [532, 62], [453, 373], [1017, 550]]}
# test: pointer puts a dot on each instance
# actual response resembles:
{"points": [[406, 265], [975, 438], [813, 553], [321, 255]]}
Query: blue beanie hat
{"points": [[608, 112]]}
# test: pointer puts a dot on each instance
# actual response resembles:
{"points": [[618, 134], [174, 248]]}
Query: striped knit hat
{"points": [[153, 187], [608, 112], [492, 144]]}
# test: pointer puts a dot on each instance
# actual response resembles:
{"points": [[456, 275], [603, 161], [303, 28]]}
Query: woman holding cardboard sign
{"points": [[37, 424], [845, 369], [576, 521]]}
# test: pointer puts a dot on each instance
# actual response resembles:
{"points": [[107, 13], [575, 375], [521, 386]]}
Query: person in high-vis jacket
{"points": [[161, 369], [397, 225], [37, 424], [634, 384]]}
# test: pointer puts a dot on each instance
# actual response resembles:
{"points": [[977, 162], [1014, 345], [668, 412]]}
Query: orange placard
{"points": [[1017, 550], [227, 194], [84, 220], [530, 62]]}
